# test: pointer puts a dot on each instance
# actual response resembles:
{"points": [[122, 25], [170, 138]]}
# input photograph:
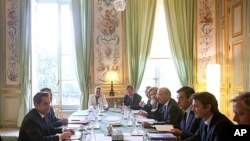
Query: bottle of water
{"points": [[115, 107], [122, 110], [92, 134]]}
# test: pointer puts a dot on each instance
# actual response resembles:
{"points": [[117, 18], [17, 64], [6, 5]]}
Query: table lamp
{"points": [[112, 76]]}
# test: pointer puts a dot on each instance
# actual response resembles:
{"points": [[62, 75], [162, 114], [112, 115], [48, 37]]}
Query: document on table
{"points": [[76, 136], [166, 127], [126, 137], [161, 136]]}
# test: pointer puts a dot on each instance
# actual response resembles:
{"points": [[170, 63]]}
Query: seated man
{"points": [[241, 108], [132, 99], [214, 124], [189, 124], [36, 125], [168, 111], [55, 122], [97, 98]]}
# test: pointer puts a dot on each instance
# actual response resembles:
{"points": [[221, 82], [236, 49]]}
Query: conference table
{"points": [[87, 123]]}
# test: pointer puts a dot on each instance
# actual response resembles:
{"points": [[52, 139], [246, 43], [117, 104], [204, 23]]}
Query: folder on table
{"points": [[161, 136], [78, 121]]}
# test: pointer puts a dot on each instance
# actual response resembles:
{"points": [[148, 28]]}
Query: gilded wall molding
{"points": [[3, 92]]}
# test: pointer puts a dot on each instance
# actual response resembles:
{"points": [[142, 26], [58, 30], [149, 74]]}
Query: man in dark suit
{"points": [[241, 108], [55, 122], [168, 111], [189, 124], [214, 124], [36, 125], [132, 99]]}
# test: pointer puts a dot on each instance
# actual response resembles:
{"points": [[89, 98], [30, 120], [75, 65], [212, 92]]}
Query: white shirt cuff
{"points": [[59, 135]]}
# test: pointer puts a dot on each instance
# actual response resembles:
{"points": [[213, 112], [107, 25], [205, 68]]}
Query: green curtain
{"points": [[25, 48], [81, 11], [140, 15], [181, 21]]}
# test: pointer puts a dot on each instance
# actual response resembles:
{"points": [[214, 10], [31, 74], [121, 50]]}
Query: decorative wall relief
{"points": [[12, 62], [206, 33], [107, 40]]}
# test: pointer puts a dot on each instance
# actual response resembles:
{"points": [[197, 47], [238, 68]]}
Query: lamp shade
{"points": [[213, 80], [112, 76]]}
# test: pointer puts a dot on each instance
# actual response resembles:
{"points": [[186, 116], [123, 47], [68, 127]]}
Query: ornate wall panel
{"points": [[237, 22], [12, 57], [11, 109], [237, 65], [206, 37], [108, 42]]}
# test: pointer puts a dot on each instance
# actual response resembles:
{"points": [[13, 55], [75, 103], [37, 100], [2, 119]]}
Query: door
{"points": [[237, 41]]}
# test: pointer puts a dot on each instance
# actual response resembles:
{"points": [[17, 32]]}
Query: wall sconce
{"points": [[213, 80], [119, 5], [112, 76]]}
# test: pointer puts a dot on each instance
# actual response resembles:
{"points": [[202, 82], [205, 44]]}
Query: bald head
{"points": [[163, 95]]}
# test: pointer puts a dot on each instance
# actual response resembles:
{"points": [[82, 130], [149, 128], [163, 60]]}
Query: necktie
{"points": [[164, 112], [45, 126], [206, 130], [184, 120], [131, 100]]}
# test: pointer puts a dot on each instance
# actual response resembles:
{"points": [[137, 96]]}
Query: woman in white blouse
{"points": [[97, 98]]}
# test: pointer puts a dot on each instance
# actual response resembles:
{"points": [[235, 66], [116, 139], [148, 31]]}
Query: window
{"points": [[160, 70], [53, 52]]}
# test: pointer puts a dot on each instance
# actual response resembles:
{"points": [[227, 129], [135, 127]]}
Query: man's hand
{"points": [[144, 114], [147, 125], [176, 132], [141, 104], [69, 130], [64, 121], [66, 135]]}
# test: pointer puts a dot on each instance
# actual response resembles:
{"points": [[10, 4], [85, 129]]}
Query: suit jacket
{"points": [[134, 104], [190, 126], [217, 130], [171, 115], [147, 107], [101, 100], [55, 122], [157, 115], [35, 128]]}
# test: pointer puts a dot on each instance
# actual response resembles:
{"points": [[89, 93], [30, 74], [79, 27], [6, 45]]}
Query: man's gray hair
{"points": [[244, 97]]}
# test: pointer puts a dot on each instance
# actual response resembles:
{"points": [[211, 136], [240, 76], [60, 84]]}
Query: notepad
{"points": [[166, 127]]}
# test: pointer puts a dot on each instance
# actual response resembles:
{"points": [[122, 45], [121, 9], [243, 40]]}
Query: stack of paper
{"points": [[166, 127]]}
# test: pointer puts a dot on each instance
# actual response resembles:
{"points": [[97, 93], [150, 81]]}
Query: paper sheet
{"points": [[166, 127]]}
